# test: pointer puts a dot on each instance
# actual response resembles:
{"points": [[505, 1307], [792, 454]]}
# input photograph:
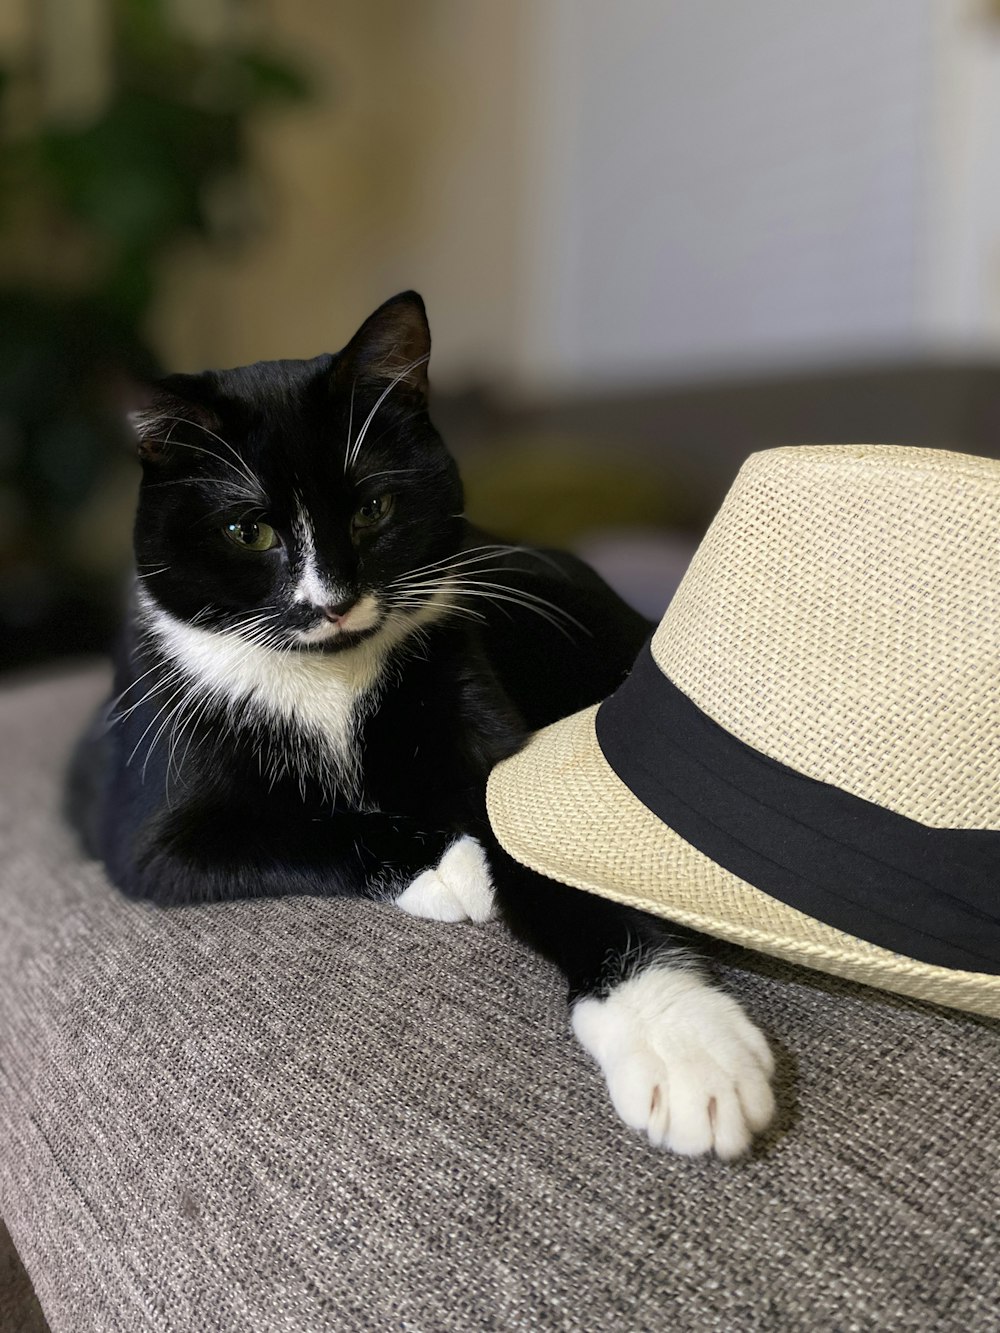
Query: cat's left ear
{"points": [[161, 410], [393, 344]]}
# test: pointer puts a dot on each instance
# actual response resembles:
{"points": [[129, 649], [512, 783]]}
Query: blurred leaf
{"points": [[110, 196], [137, 177], [271, 80], [137, 173]]}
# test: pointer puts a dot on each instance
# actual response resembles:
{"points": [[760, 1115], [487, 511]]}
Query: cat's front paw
{"points": [[458, 888], [683, 1063]]}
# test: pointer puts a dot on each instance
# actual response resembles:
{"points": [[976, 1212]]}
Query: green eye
{"points": [[252, 536], [372, 512]]}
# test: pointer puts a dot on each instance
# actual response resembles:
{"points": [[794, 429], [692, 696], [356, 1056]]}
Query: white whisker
{"points": [[190, 705], [170, 679], [389, 472], [477, 555], [170, 718], [350, 426], [462, 583], [242, 464], [412, 601], [454, 578], [240, 467], [500, 592], [354, 452], [398, 425], [131, 686], [149, 727]]}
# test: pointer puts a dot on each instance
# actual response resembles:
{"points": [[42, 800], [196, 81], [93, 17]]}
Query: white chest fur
{"points": [[321, 698]]}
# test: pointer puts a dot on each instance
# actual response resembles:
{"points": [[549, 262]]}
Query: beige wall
{"points": [[590, 193], [402, 173]]}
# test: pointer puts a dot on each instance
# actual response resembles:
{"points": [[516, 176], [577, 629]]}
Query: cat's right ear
{"points": [[392, 346], [159, 411]]}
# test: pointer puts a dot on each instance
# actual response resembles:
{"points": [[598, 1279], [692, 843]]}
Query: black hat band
{"points": [[930, 894]]}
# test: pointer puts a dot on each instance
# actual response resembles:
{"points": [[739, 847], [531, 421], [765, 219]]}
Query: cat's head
{"points": [[300, 504]]}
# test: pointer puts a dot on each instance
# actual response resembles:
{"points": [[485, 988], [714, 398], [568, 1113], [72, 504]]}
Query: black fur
{"points": [[234, 806]]}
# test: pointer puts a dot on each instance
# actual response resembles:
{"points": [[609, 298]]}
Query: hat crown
{"points": [[842, 616]]}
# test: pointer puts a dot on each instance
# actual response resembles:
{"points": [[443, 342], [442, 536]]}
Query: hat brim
{"points": [[559, 808]]}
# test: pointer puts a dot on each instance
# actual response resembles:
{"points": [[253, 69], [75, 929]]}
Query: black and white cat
{"points": [[323, 660]]}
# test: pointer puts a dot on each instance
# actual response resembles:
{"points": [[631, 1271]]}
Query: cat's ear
{"points": [[162, 409], [393, 344]]}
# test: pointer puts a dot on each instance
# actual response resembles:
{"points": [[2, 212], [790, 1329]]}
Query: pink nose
{"points": [[337, 612]]}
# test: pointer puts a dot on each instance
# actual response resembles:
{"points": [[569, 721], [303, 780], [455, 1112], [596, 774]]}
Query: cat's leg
{"points": [[205, 851], [683, 1064], [210, 854], [458, 888]]}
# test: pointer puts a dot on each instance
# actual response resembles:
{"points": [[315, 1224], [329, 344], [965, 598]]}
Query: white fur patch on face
{"points": [[683, 1063], [458, 888], [312, 588]]}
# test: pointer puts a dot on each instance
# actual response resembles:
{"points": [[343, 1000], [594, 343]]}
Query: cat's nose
{"points": [[336, 611]]}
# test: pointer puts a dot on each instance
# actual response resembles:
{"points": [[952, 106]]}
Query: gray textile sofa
{"points": [[325, 1115]]}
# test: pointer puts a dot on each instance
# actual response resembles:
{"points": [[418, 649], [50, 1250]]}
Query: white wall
{"points": [[960, 278], [608, 192], [722, 184]]}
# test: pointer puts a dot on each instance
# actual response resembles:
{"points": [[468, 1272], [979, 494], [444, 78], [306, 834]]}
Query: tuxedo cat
{"points": [[323, 660]]}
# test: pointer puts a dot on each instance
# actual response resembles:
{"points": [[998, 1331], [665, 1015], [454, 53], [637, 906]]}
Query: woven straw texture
{"points": [[842, 615], [316, 1116], [559, 808]]}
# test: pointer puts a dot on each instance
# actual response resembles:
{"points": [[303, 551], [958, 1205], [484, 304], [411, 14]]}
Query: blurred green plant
{"points": [[142, 171], [90, 205]]}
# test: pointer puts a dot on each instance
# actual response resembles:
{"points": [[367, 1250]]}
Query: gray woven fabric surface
{"points": [[323, 1115]]}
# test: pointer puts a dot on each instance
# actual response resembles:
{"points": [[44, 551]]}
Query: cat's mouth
{"points": [[333, 632], [336, 641]]}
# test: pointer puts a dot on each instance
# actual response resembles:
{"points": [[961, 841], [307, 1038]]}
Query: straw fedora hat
{"points": [[805, 759]]}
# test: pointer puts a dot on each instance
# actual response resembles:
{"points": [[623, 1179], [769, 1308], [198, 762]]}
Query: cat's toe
{"points": [[458, 888], [683, 1063]]}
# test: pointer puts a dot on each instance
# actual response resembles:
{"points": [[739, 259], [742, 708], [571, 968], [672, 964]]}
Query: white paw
{"points": [[458, 888], [683, 1063]]}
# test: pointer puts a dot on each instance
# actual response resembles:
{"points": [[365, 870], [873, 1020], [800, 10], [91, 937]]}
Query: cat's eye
{"points": [[251, 534], [372, 512]]}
